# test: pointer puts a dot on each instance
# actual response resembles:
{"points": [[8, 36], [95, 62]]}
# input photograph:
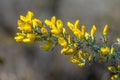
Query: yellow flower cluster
{"points": [[107, 50], [116, 71], [81, 45], [56, 26], [81, 58], [26, 25], [81, 34], [33, 29]]}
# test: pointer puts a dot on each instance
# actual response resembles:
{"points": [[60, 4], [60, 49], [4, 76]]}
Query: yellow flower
{"points": [[105, 50], [75, 29], [114, 77], [83, 55], [44, 30], [53, 19], [112, 69], [78, 33], [64, 50], [51, 22], [56, 26], [29, 38], [105, 30], [48, 23], [28, 22], [27, 18], [83, 30], [25, 27], [55, 31], [62, 41], [74, 26], [70, 25], [67, 51], [93, 30], [25, 23], [59, 24], [77, 24], [30, 15], [36, 23], [79, 59], [74, 60], [47, 46], [70, 51], [87, 36], [81, 65], [19, 37]]}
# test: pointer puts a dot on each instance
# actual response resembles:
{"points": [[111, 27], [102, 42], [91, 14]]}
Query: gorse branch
{"points": [[82, 45]]}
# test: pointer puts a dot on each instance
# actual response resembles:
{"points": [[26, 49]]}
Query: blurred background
{"points": [[19, 61]]}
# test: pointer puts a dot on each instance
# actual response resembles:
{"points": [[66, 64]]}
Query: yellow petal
{"points": [[37, 22], [105, 30], [53, 20], [59, 24], [77, 24], [55, 31], [48, 23], [87, 36], [78, 33], [19, 38], [93, 30], [26, 28], [64, 50], [20, 24], [23, 18], [62, 41], [27, 40], [31, 36], [83, 30], [30, 15], [70, 25]]}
